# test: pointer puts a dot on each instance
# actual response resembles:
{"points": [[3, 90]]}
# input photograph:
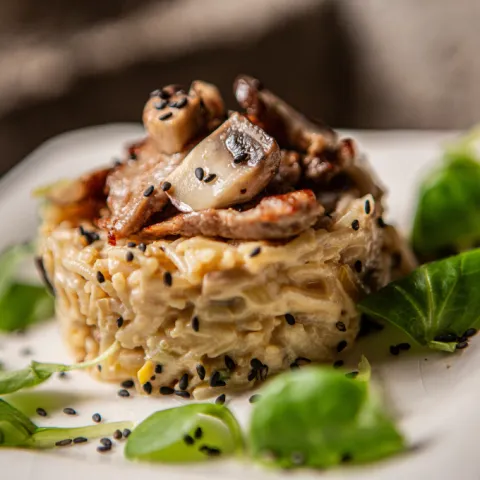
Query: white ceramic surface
{"points": [[435, 395]]}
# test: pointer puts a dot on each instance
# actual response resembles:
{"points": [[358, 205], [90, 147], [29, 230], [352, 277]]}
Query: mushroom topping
{"points": [[291, 129], [278, 216], [230, 166], [212, 102]]}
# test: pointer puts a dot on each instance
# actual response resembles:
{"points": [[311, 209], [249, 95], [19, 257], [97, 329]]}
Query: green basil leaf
{"points": [[318, 418], [36, 372], [448, 210], [23, 305], [437, 299], [17, 430], [190, 433]]}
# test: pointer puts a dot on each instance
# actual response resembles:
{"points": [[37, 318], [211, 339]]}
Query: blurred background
{"points": [[354, 63]]}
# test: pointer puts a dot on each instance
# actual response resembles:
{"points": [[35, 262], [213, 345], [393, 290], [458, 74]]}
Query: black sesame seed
{"points": [[103, 449], [338, 364], [183, 383], [341, 346], [119, 322], [123, 393], [133, 155], [163, 94], [211, 451], [241, 157], [243, 191], [126, 432], [252, 375], [166, 390], [148, 191], [199, 173], [129, 256], [158, 369], [210, 177], [100, 277], [446, 338], [127, 384], [353, 374], [63, 375], [229, 363], [256, 251], [341, 326], [404, 346], [358, 266], [153, 378], [290, 319], [41, 411], [470, 332], [188, 440], [220, 400], [180, 103], [381, 223], [99, 367], [165, 116], [201, 371], [117, 434], [256, 364], [198, 433], [69, 411], [147, 388], [294, 365], [461, 345], [160, 105], [214, 378], [80, 440], [394, 350], [195, 324], [142, 247], [96, 417], [368, 207], [254, 398], [355, 224], [131, 244], [106, 442], [167, 279], [181, 393], [166, 186], [63, 443]]}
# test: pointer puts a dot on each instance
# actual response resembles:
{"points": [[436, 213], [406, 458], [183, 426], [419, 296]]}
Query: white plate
{"points": [[434, 394]]}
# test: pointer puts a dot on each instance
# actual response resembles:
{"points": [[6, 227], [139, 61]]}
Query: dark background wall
{"points": [[354, 63]]}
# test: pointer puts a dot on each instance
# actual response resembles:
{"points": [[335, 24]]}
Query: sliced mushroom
{"points": [[275, 217], [230, 166], [291, 129], [212, 101]]}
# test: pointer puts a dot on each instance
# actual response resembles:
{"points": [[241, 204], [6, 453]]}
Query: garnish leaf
{"points": [[173, 435], [319, 418], [36, 372], [21, 304], [448, 214], [17, 430], [437, 299]]}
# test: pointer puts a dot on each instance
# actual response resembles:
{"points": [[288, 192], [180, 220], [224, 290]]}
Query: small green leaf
{"points": [[37, 373], [17, 430], [319, 418], [173, 435], [438, 298]]}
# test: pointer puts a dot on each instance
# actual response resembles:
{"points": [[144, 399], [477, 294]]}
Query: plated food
{"points": [[224, 247]]}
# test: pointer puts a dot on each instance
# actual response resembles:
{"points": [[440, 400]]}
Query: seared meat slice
{"points": [[174, 118], [289, 127], [231, 166], [289, 173], [134, 188], [278, 216]]}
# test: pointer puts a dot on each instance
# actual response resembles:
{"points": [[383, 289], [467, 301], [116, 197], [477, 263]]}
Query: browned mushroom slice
{"points": [[278, 216], [212, 101], [290, 128], [230, 166], [134, 189]]}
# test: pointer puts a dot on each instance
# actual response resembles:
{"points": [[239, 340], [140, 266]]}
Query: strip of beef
{"points": [[134, 188], [275, 217], [290, 128]]}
